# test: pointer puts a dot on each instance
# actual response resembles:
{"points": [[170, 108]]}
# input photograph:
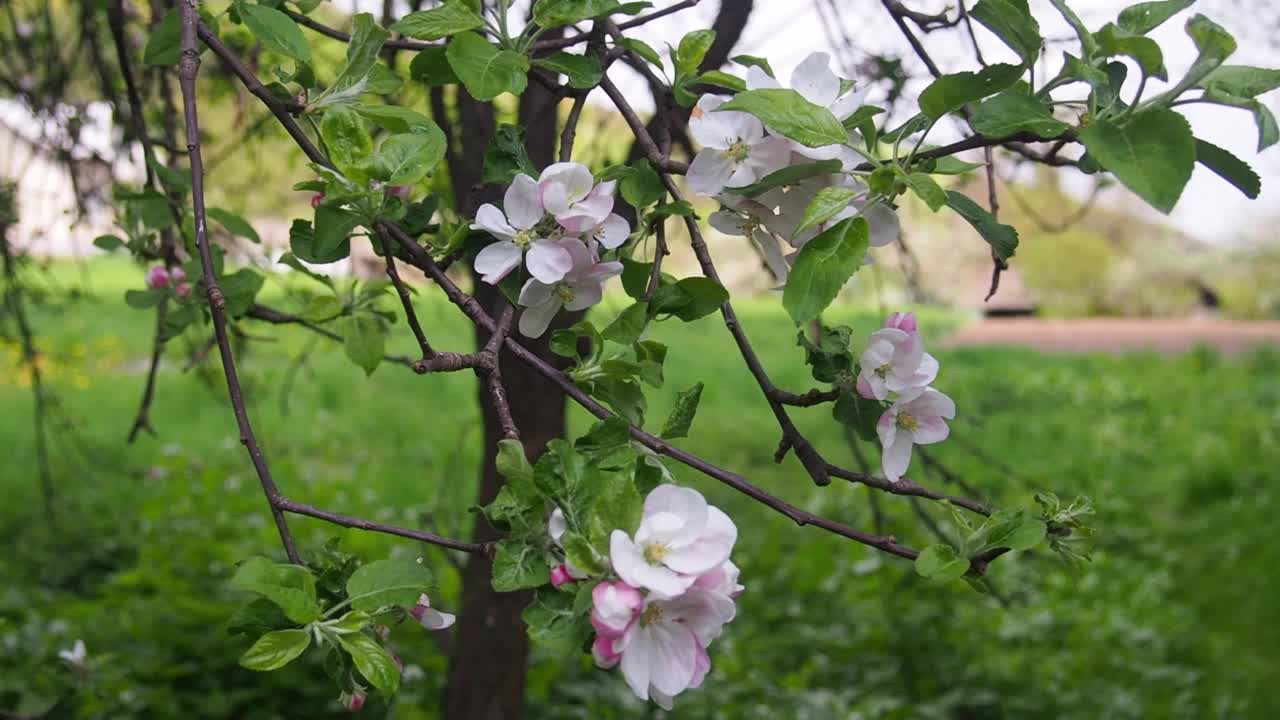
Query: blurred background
{"points": [[1128, 357]]}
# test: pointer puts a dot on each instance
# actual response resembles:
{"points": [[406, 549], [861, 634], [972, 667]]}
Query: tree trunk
{"points": [[490, 650]]}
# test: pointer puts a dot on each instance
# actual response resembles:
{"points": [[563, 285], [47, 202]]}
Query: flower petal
{"points": [[673, 655], [613, 231], [709, 172], [684, 503], [933, 403], [490, 219], [883, 223], [534, 320], [711, 548], [813, 79], [637, 661], [523, 202], [585, 294], [758, 79], [930, 430], [548, 262], [534, 293], [897, 457], [727, 222], [495, 261]]}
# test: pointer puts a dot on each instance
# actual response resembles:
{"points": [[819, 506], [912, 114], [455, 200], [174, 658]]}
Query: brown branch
{"points": [[561, 43], [187, 71], [336, 34], [809, 399], [276, 317], [405, 300], [998, 264], [570, 131], [286, 505]]}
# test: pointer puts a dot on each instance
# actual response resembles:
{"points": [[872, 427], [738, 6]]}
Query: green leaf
{"points": [[234, 224], [825, 204], [354, 77], [1229, 168], [164, 47], [452, 17], [681, 417], [554, 624], [108, 242], [346, 138], [239, 289], [1242, 81], [553, 13], [1153, 154], [1147, 16], [754, 61], [149, 207], [351, 622], [364, 338], [276, 649], [511, 462], [1012, 23], [486, 71], [953, 166], [788, 113], [143, 299], [1014, 112], [927, 190], [506, 156], [276, 30], [583, 71], [518, 566], [292, 587], [1113, 40], [406, 158], [941, 563], [643, 49], [822, 267], [1087, 43], [395, 581], [1214, 44], [321, 308], [1268, 133], [719, 78], [858, 413], [692, 49], [578, 551], [372, 661], [789, 175], [174, 179], [397, 119], [689, 298], [951, 92], [431, 68], [331, 240], [641, 186], [1003, 239], [1014, 529], [628, 326]]}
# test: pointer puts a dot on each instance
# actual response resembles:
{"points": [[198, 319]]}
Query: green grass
{"points": [[1178, 616]]}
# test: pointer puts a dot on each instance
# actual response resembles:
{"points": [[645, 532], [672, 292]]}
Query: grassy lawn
{"points": [[1178, 615]]}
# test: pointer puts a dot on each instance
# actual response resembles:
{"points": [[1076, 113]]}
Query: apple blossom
{"points": [[735, 150], [614, 606], [815, 82], [680, 537], [748, 225], [428, 617], [905, 322], [157, 277], [560, 575], [894, 361], [546, 259], [354, 700], [556, 527], [182, 289], [77, 657], [917, 417], [568, 191], [580, 288], [603, 652], [610, 232], [316, 200], [722, 579]]}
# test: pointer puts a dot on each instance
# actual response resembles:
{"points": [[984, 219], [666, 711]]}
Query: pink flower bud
{"points": [[615, 605], [177, 274], [560, 575], [353, 701], [905, 322], [428, 617], [603, 652], [396, 659], [182, 289], [400, 191], [157, 277], [316, 200]]}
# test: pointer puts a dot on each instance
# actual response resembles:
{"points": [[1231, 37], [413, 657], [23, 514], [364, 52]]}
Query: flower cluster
{"points": [[675, 593], [895, 364], [159, 277], [738, 150], [556, 226]]}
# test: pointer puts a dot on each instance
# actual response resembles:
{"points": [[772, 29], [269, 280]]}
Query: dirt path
{"points": [[1171, 336]]}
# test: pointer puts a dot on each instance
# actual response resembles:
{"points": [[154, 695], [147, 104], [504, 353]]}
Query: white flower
{"points": [[430, 618], [580, 288], [791, 203], [894, 361], [815, 81], [568, 192], [614, 606], [546, 260], [664, 651], [610, 232], [556, 527], [735, 150], [77, 657], [722, 579], [746, 223], [680, 537], [918, 417]]}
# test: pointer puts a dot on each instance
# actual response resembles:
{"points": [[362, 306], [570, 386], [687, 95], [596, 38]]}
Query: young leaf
{"points": [[1147, 16], [641, 186], [628, 326], [754, 61], [789, 175], [276, 649], [941, 563], [689, 298], [1214, 45], [486, 71], [858, 413], [1153, 154], [554, 624], [364, 339], [346, 138], [234, 224], [511, 461], [1013, 23], [681, 417], [276, 30], [951, 92], [1242, 80], [826, 203], [164, 47], [644, 50], [292, 587], [719, 78], [1013, 112], [506, 156], [553, 13], [406, 158], [452, 17], [143, 299], [399, 119], [367, 38], [1003, 239], [1268, 132], [1229, 168], [823, 266], [372, 661], [330, 242], [927, 190], [788, 113], [431, 68], [1113, 40], [583, 71], [394, 581], [239, 289], [518, 566], [693, 47]]}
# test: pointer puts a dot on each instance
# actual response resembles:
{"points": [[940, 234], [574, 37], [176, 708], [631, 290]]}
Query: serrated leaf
{"points": [[682, 414], [276, 649], [276, 30], [397, 119], [941, 563], [1113, 40], [1242, 81], [788, 113], [1153, 154], [406, 158], [394, 581], [518, 565], [1144, 17], [628, 326], [511, 461], [364, 340], [1229, 168], [693, 47], [1012, 23], [951, 92], [164, 46], [688, 298], [822, 267], [234, 224], [554, 624], [292, 587], [346, 138], [448, 19], [643, 49], [583, 71], [485, 70], [372, 661], [789, 175], [1013, 112], [826, 203], [1003, 239], [431, 68], [927, 190]]}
